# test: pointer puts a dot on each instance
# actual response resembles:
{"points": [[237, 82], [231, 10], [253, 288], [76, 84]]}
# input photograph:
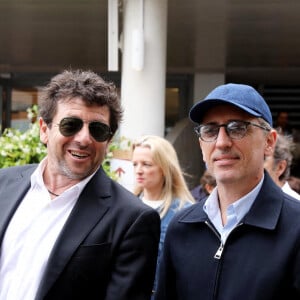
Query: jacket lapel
{"points": [[12, 191], [91, 206], [266, 209]]}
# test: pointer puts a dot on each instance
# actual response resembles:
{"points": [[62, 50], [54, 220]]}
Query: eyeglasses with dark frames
{"points": [[236, 130], [69, 126]]}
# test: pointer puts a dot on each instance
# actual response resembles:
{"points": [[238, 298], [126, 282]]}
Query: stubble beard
{"points": [[66, 171]]}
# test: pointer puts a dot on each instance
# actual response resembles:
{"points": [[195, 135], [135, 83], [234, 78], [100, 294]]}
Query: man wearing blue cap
{"points": [[243, 241]]}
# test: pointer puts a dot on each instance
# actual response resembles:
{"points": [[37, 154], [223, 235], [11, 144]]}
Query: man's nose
{"points": [[223, 137], [83, 135]]}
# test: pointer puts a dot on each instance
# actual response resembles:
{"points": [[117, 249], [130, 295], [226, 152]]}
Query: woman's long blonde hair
{"points": [[165, 156]]}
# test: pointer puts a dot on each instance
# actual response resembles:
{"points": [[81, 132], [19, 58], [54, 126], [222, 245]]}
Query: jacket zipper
{"points": [[219, 252]]}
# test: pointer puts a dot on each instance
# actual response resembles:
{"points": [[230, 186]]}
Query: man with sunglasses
{"points": [[243, 241], [67, 231]]}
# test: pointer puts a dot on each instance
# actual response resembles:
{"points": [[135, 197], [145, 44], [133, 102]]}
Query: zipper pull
{"points": [[219, 252]]}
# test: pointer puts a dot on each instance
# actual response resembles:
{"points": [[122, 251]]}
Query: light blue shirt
{"points": [[235, 211]]}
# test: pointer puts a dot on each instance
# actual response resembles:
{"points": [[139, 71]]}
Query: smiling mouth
{"points": [[225, 159], [78, 154]]}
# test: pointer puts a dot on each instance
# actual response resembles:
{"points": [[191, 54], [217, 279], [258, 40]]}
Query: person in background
{"points": [[294, 183], [159, 180], [282, 124], [243, 241], [279, 164], [207, 184], [67, 231]]}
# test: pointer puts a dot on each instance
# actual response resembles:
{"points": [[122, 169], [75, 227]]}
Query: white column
{"points": [[143, 67]]}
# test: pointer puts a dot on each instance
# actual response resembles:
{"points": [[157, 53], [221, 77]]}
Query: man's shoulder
{"points": [[285, 207], [125, 199], [17, 169], [290, 202], [128, 210], [191, 214]]}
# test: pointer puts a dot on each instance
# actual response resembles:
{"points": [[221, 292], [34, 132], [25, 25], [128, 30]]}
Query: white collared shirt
{"points": [[30, 237], [288, 190], [235, 212]]}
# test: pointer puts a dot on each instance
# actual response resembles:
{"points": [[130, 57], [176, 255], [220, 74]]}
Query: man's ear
{"points": [[270, 142], [280, 168], [203, 156], [108, 145], [43, 131]]}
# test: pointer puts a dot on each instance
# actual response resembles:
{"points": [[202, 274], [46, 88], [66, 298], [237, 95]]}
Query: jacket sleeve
{"points": [[135, 261], [296, 271], [166, 276]]}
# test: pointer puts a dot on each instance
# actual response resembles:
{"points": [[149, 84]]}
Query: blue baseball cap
{"points": [[242, 96]]}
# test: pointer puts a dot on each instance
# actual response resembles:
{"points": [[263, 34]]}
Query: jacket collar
{"points": [[13, 188], [264, 212]]}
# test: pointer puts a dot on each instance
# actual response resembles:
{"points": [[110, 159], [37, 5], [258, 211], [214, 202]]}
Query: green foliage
{"points": [[19, 148]]}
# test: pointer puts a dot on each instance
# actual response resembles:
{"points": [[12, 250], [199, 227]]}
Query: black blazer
{"points": [[106, 250]]}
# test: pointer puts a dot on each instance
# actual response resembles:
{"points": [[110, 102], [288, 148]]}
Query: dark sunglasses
{"points": [[99, 131]]}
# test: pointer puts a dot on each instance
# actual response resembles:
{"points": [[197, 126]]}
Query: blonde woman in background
{"points": [[159, 180]]}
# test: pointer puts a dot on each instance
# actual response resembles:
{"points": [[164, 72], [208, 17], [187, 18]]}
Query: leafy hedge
{"points": [[20, 148]]}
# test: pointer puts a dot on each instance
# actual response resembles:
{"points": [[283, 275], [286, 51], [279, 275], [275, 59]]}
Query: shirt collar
{"points": [[239, 207]]}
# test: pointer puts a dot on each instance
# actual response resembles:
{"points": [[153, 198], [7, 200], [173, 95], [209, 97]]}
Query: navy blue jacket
{"points": [[260, 259]]}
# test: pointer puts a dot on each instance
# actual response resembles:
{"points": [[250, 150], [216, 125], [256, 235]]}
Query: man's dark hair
{"points": [[86, 85]]}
